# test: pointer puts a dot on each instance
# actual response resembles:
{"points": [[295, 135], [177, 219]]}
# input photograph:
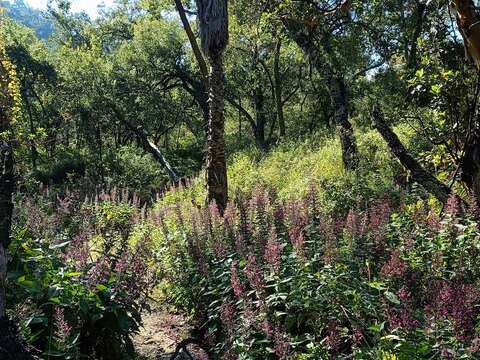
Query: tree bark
{"points": [[469, 26], [216, 159], [470, 165], [418, 173], [259, 129], [419, 19], [468, 22], [339, 99], [336, 88], [6, 208], [278, 89]]}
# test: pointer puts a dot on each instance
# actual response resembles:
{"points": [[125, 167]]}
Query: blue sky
{"points": [[89, 6]]}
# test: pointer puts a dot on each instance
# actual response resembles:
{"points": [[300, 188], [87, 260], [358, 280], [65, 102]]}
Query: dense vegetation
{"points": [[300, 179]]}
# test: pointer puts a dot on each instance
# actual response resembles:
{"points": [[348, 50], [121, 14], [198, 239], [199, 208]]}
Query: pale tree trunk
{"points": [[469, 27], [216, 159]]}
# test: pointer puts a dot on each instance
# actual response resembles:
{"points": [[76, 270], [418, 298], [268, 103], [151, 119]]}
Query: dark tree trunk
{"points": [[259, 129], [412, 58], [336, 88], [216, 159], [6, 207], [470, 165], [33, 149], [339, 99], [278, 89], [418, 173], [11, 348]]}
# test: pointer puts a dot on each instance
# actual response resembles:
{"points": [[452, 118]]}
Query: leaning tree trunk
{"points": [[213, 23], [147, 144], [198, 89], [419, 174]]}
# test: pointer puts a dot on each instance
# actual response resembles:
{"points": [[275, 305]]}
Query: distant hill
{"points": [[28, 16]]}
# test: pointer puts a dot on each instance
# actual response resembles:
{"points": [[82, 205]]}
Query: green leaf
{"points": [[392, 298], [419, 73], [378, 285], [101, 287]]}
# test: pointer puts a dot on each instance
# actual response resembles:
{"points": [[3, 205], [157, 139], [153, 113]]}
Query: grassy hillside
{"points": [[293, 167]]}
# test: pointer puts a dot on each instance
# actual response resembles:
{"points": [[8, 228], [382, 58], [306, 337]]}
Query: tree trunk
{"points": [[470, 165], [419, 19], [278, 89], [468, 21], [6, 207], [418, 173], [33, 149], [336, 88], [259, 129], [216, 159], [339, 100]]}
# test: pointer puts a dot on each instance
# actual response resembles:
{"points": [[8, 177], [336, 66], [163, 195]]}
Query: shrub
{"points": [[275, 278], [74, 296]]}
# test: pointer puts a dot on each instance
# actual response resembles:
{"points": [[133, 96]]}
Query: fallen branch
{"points": [[182, 346]]}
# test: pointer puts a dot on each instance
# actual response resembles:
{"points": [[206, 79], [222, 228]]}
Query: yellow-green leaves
{"points": [[10, 95]]}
